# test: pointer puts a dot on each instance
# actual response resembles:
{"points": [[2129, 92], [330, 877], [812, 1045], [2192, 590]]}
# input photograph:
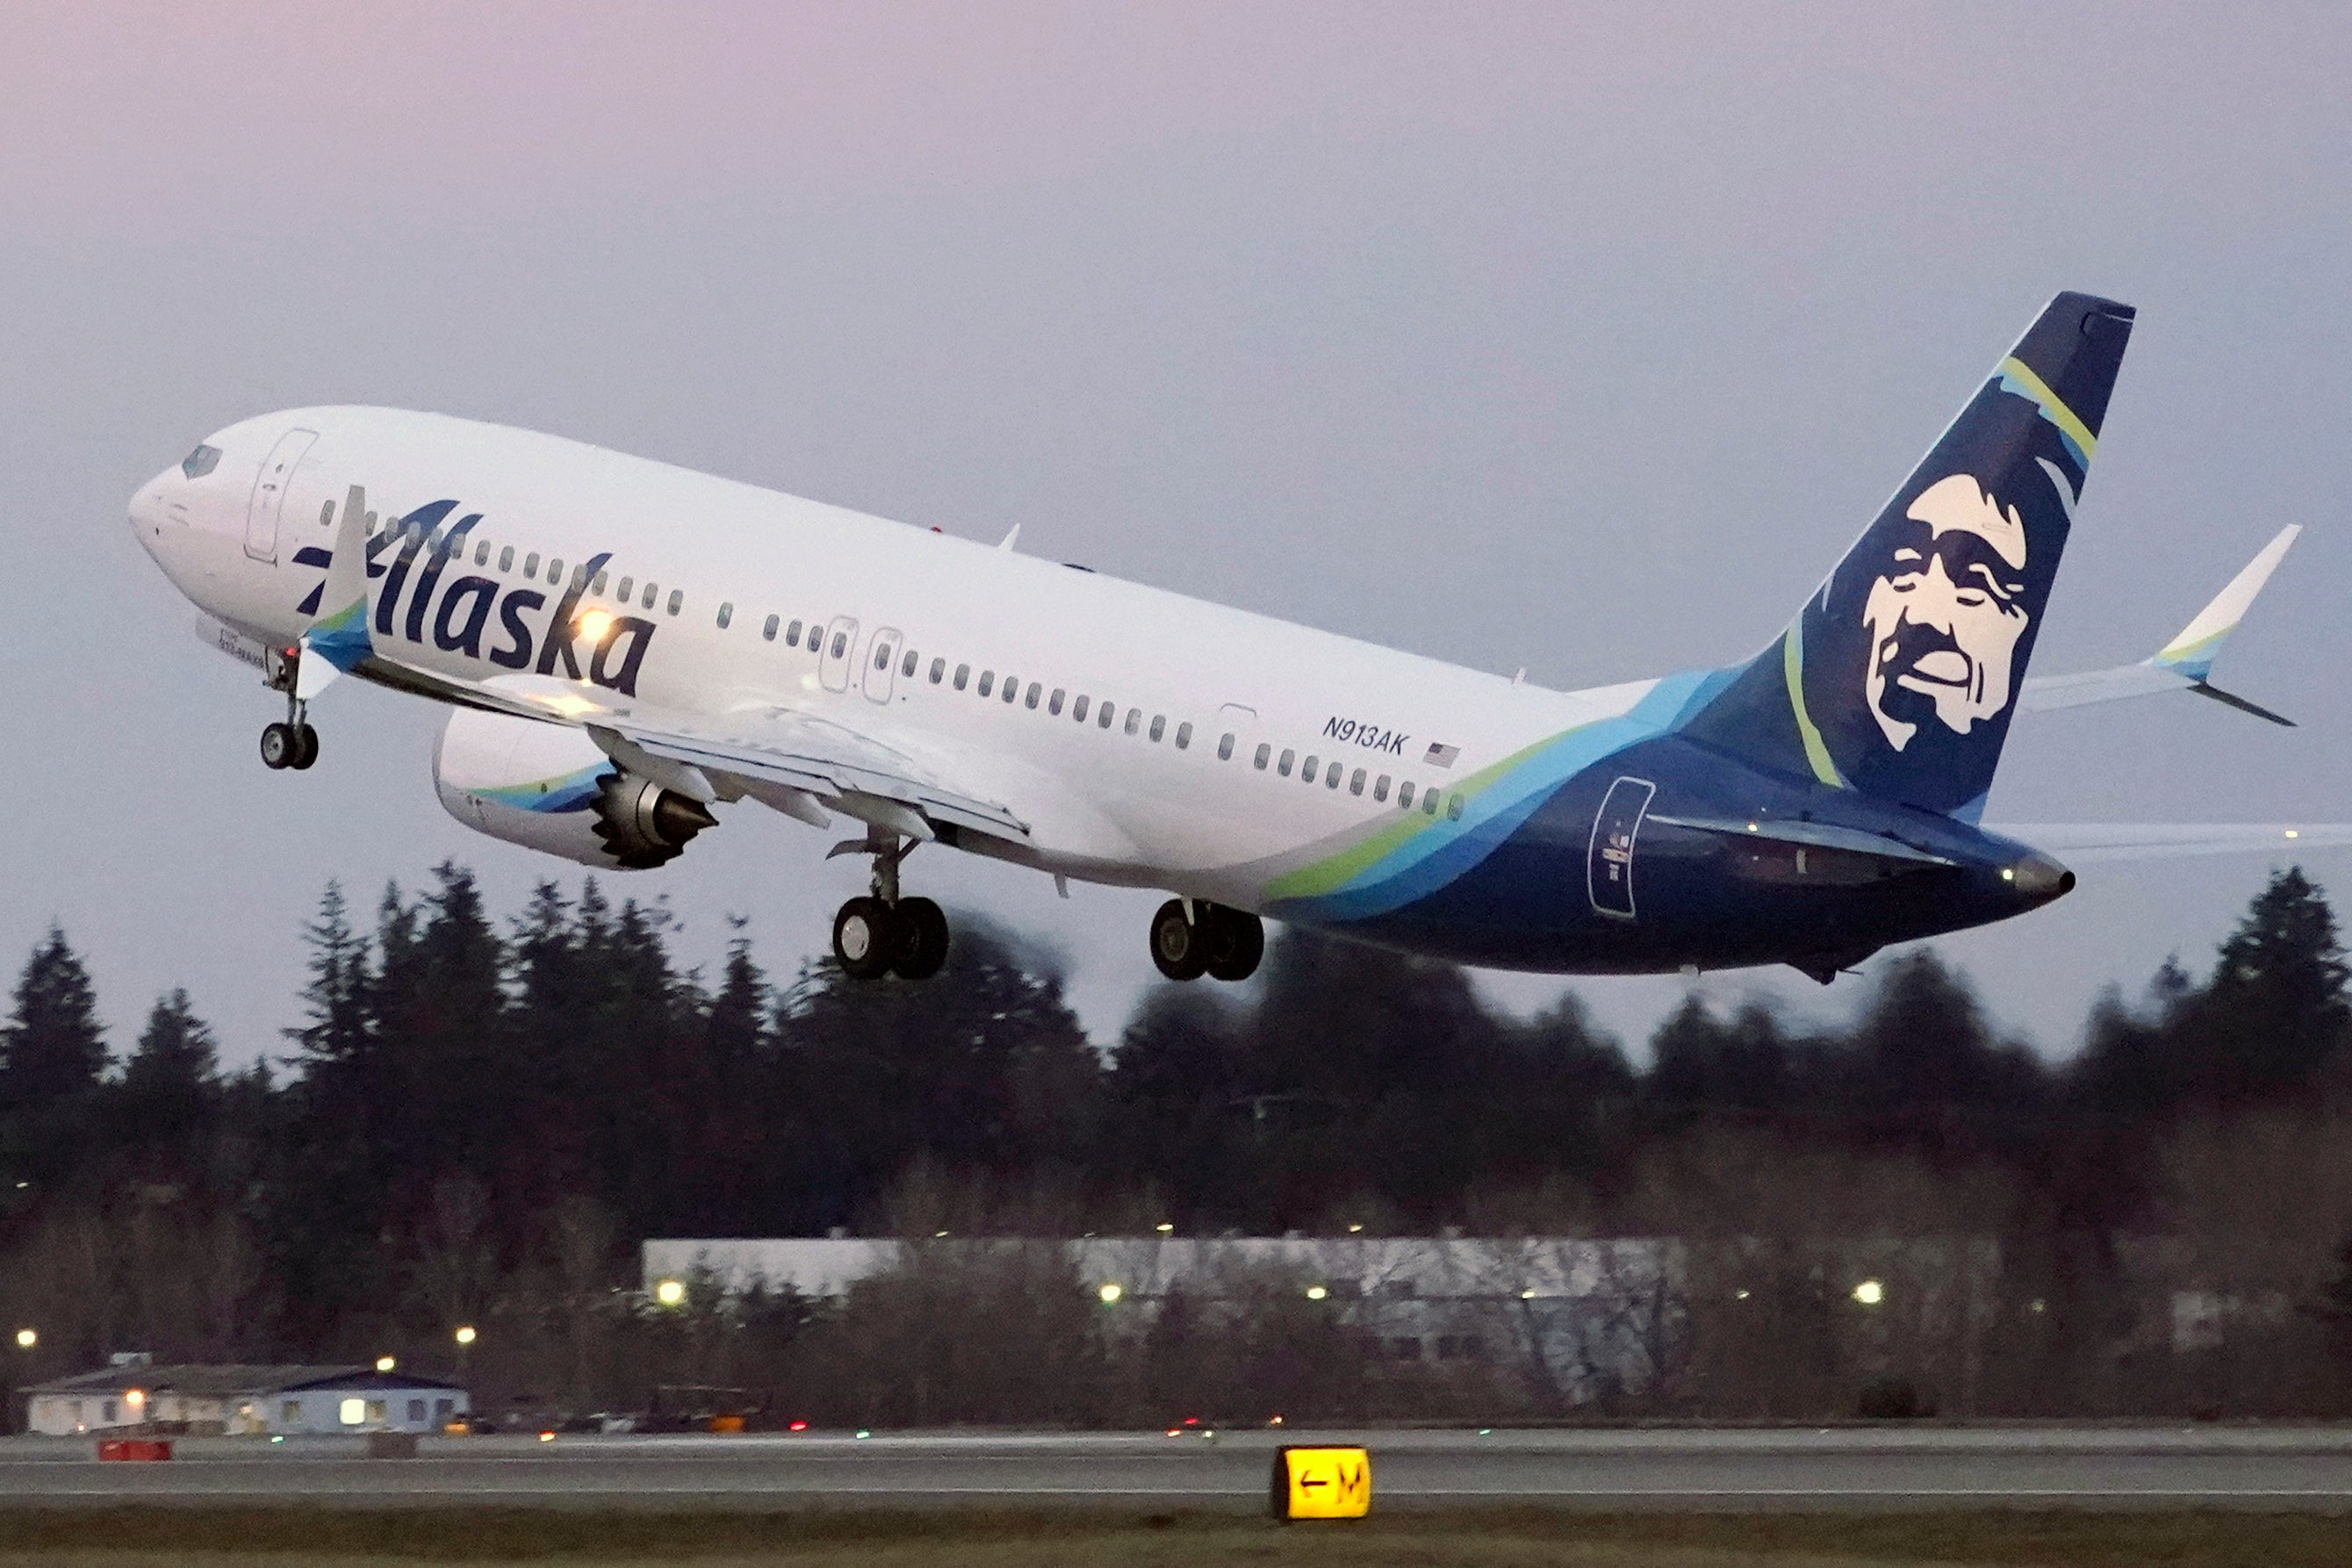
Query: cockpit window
{"points": [[200, 462]]}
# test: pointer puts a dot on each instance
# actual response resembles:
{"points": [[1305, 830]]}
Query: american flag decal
{"points": [[1441, 756]]}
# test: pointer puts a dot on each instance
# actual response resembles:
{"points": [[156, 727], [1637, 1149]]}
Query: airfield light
{"points": [[938, 1236], [385, 1363], [1739, 1295], [1870, 1293], [547, 1436], [464, 1334], [1528, 1294], [1316, 1292], [1355, 1229], [799, 1427], [26, 1338], [1164, 1228], [2292, 833], [670, 1292], [866, 1432], [1111, 1293]]}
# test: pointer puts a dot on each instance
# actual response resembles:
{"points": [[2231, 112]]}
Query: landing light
{"points": [[669, 1292], [1111, 1293], [1315, 1292], [2009, 873], [26, 1338], [464, 1336], [1870, 1293]]}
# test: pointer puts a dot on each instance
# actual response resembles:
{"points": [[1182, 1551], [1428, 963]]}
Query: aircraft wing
{"points": [[2181, 665], [2090, 841], [860, 775]]}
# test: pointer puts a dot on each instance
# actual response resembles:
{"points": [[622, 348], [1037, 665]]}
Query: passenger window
{"points": [[1331, 779], [651, 591], [726, 614], [1283, 767], [1079, 708], [768, 632], [1054, 705], [1183, 736], [882, 657], [987, 679], [1380, 787], [1453, 808], [840, 644], [627, 585], [1134, 720], [907, 666], [1035, 690], [1404, 794], [676, 598], [1012, 689], [792, 633], [1159, 727], [598, 587], [1263, 752], [1225, 749], [1307, 771], [555, 571], [964, 673], [326, 514], [506, 559], [482, 553], [1429, 804], [1109, 709], [938, 670], [1356, 781], [530, 565]]}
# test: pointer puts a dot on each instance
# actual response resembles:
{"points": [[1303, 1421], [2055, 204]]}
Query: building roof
{"points": [[367, 1378], [204, 1379]]}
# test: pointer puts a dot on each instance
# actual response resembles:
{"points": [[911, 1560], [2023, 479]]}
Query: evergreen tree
{"points": [[52, 1057], [172, 1082], [2274, 1010]]}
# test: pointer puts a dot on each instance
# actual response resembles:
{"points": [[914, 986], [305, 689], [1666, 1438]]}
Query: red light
{"points": [[1191, 1421], [800, 1427]]}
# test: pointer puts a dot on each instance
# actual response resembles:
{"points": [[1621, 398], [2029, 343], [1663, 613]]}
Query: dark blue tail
{"points": [[1898, 678]]}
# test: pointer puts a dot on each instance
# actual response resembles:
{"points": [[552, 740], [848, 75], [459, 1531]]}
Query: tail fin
{"points": [[1899, 677]]}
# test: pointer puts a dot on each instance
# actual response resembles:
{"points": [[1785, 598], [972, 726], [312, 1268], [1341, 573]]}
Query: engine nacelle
{"points": [[549, 787]]}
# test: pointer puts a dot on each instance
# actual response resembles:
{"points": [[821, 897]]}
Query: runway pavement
{"points": [[2301, 1468]]}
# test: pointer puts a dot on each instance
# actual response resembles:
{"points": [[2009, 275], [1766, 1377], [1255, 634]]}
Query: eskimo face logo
{"points": [[1945, 613]]}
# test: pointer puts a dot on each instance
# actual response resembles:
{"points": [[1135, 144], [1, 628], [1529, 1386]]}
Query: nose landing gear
{"points": [[292, 744], [1190, 939], [883, 933]]}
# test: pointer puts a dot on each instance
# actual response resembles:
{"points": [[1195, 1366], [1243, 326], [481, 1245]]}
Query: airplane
{"points": [[628, 648]]}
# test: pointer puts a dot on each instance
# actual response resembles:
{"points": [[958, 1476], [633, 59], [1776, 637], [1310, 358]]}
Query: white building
{"points": [[1580, 1317], [257, 1401]]}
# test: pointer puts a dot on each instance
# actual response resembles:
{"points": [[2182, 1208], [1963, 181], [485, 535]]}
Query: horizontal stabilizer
{"points": [[1808, 835], [2184, 663], [2090, 841]]}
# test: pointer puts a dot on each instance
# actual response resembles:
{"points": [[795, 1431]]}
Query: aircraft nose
{"points": [[150, 503]]}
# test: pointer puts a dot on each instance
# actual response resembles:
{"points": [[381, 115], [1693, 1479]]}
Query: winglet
{"points": [[2193, 651]]}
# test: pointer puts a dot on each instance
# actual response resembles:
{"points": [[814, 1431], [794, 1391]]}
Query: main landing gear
{"points": [[1190, 939], [883, 933]]}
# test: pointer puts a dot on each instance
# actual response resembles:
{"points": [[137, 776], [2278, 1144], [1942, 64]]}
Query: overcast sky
{"points": [[1578, 339]]}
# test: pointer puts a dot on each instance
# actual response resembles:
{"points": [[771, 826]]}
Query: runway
{"points": [[2278, 1468]]}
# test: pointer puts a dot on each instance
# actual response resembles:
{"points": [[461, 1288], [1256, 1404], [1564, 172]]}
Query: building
{"points": [[133, 1395], [1576, 1317]]}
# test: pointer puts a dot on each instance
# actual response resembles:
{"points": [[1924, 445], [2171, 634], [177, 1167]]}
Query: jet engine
{"points": [[549, 787]]}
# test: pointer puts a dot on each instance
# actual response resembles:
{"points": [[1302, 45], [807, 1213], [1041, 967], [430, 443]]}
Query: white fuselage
{"points": [[1125, 804]]}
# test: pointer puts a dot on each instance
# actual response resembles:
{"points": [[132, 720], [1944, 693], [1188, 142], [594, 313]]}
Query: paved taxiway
{"points": [[2276, 1468]]}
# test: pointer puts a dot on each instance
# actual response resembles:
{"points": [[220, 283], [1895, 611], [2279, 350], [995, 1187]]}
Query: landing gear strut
{"points": [[883, 933], [1190, 939]]}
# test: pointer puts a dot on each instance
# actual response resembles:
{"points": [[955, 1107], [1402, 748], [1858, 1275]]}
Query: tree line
{"points": [[478, 1120]]}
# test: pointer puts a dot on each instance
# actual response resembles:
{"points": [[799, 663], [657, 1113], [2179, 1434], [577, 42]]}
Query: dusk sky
{"points": [[1578, 338]]}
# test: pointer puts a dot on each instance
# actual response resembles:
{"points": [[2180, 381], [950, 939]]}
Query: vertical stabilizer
{"points": [[1899, 676]]}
